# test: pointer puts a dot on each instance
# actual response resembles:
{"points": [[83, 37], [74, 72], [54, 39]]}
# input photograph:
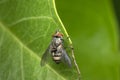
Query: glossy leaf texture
{"points": [[93, 28], [26, 28]]}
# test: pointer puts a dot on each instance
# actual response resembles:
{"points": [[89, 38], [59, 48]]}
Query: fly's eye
{"points": [[57, 36]]}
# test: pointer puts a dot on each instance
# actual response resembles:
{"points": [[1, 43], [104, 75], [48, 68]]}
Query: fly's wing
{"points": [[45, 56], [66, 58]]}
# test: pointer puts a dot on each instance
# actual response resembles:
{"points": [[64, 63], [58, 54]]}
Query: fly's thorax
{"points": [[57, 41]]}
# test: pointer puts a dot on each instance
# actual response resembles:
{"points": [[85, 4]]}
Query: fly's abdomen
{"points": [[56, 57]]}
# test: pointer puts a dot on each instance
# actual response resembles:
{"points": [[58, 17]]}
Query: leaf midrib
{"points": [[29, 50]]}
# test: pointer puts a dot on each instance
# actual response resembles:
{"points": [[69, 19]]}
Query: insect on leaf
{"points": [[26, 27]]}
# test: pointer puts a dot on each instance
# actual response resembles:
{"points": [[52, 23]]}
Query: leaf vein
{"points": [[45, 34], [29, 18], [22, 69]]}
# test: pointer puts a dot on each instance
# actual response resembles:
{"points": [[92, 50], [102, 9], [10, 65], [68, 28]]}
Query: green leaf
{"points": [[93, 28], [26, 27]]}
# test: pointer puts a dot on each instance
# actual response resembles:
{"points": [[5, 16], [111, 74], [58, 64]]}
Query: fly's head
{"points": [[58, 35]]}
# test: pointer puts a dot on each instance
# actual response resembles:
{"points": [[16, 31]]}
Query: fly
{"points": [[56, 50]]}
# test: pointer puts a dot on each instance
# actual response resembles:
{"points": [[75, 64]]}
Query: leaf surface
{"points": [[26, 27]]}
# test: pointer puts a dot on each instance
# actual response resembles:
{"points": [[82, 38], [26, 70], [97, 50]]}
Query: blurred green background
{"points": [[116, 4], [94, 29]]}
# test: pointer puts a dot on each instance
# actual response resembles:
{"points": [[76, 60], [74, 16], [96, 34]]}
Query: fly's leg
{"points": [[74, 60]]}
